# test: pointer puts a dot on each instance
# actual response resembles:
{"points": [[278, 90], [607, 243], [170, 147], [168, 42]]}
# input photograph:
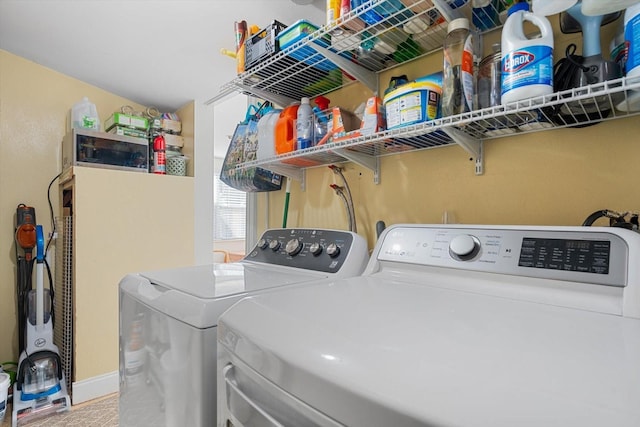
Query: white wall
{"points": [[203, 183], [228, 113]]}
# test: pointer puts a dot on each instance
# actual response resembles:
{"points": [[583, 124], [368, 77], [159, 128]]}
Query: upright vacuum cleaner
{"points": [[40, 388]]}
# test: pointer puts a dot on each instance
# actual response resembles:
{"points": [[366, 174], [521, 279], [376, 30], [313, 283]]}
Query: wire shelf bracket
{"points": [[274, 98], [369, 162], [471, 145], [364, 76], [291, 172]]}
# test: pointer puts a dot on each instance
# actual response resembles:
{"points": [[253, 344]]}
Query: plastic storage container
{"points": [[321, 119], [458, 80], [414, 102], [262, 45], [490, 79], [527, 64], [298, 31], [84, 115]]}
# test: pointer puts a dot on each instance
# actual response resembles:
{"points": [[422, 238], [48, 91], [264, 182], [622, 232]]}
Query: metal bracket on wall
{"points": [[471, 145], [366, 77], [274, 98], [371, 163], [292, 172]]}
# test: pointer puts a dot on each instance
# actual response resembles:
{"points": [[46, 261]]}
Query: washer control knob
{"points": [[263, 244], [274, 245], [293, 247], [333, 250], [315, 248], [464, 247]]}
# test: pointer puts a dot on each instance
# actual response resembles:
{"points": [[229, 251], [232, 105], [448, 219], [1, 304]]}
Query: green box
{"points": [[126, 131], [121, 119]]}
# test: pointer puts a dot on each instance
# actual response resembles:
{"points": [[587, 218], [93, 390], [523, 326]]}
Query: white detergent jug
{"points": [[266, 135], [84, 115], [527, 64]]}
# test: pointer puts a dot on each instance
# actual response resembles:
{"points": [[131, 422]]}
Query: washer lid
{"points": [[377, 351], [198, 295], [223, 280]]}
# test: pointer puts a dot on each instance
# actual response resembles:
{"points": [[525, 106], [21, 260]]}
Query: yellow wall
{"points": [[553, 177], [34, 107]]}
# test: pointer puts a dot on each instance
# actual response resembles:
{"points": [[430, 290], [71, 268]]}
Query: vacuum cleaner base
{"points": [[30, 410]]}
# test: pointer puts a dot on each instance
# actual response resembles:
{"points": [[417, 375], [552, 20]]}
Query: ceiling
{"points": [[161, 53]]}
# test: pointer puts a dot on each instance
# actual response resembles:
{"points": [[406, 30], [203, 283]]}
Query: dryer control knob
{"points": [[333, 250], [464, 247], [293, 247], [263, 244], [315, 248], [274, 245]]}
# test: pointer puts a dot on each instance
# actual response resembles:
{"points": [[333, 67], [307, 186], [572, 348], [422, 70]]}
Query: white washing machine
{"points": [[465, 326], [168, 319]]}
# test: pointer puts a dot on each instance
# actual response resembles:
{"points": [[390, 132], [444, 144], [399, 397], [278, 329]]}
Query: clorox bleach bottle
{"points": [[527, 64]]}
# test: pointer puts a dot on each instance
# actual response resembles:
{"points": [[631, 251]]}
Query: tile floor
{"points": [[101, 412]]}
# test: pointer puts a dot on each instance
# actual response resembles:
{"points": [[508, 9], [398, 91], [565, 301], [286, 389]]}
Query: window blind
{"points": [[230, 210]]}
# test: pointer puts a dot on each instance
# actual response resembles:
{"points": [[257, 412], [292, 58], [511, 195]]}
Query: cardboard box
{"points": [[175, 140], [121, 119], [343, 122], [173, 126], [125, 131]]}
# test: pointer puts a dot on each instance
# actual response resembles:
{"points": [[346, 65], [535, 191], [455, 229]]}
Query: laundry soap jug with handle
{"points": [[84, 115], [527, 63], [285, 130]]}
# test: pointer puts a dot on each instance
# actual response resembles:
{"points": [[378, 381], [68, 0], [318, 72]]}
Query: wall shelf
{"points": [[469, 130], [353, 55], [282, 80]]}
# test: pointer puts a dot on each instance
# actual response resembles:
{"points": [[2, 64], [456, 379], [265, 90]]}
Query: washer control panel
{"points": [[310, 249], [575, 253]]}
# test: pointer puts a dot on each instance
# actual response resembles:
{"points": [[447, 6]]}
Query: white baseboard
{"points": [[95, 387]]}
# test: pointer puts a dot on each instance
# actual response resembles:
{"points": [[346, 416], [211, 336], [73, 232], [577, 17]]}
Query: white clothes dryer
{"points": [[168, 319], [449, 326]]}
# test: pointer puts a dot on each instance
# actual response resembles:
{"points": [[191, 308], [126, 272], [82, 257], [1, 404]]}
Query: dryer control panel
{"points": [[580, 254], [310, 249]]}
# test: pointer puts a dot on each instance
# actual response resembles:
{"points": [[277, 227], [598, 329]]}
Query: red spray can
{"points": [[159, 155]]}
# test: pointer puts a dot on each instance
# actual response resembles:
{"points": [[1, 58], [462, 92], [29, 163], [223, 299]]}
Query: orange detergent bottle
{"points": [[286, 138], [285, 130]]}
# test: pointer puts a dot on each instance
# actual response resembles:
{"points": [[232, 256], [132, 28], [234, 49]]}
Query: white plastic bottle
{"points": [[527, 64], [304, 125], [458, 81], [84, 115], [632, 39], [266, 135]]}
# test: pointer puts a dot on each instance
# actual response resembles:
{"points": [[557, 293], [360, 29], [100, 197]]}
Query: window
{"points": [[230, 208]]}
